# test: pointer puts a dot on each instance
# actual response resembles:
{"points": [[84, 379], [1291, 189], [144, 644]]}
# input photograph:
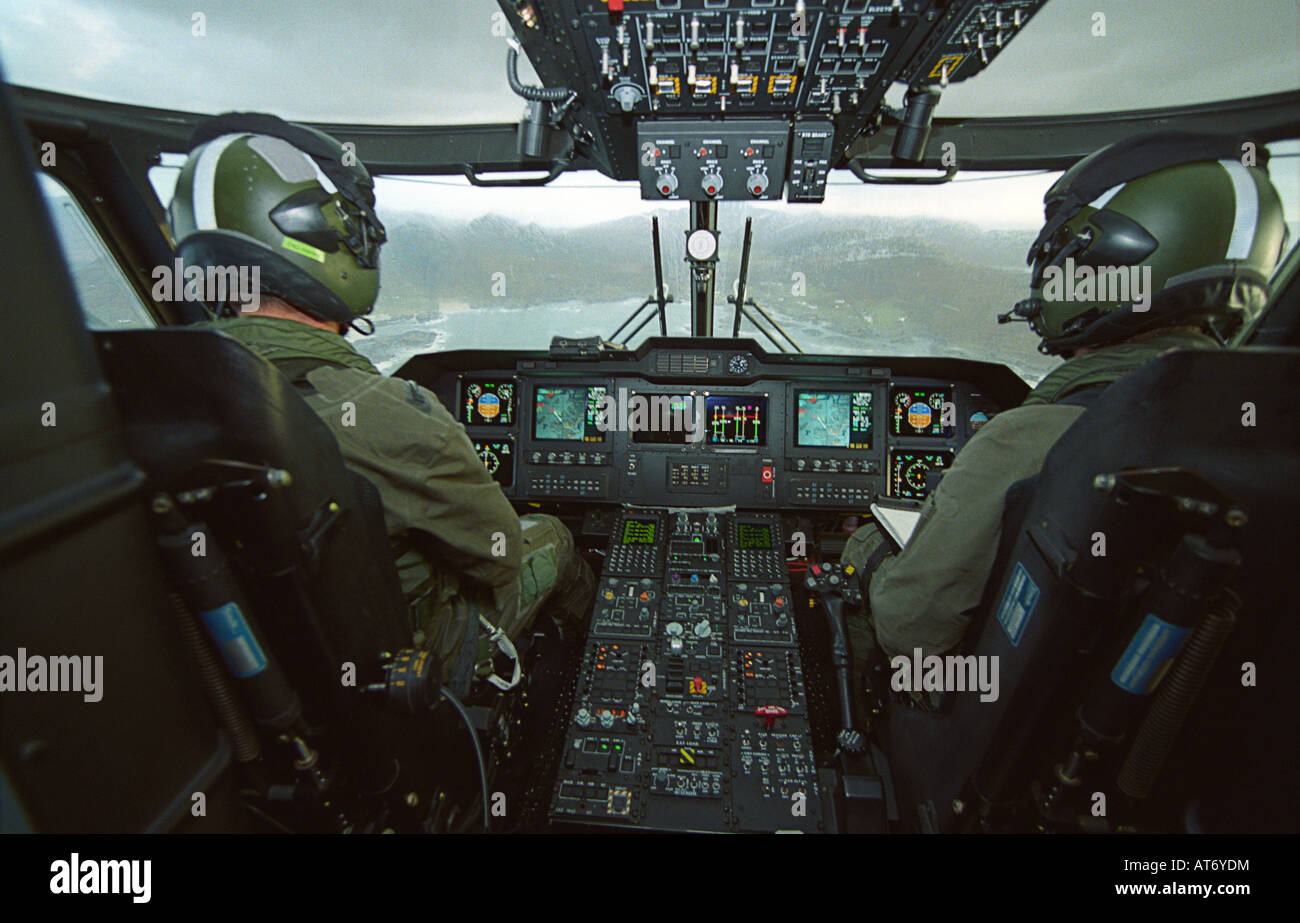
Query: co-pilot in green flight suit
{"points": [[923, 596], [448, 519]]}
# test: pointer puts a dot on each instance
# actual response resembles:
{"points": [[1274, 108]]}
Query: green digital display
{"points": [[638, 532], [751, 535]]}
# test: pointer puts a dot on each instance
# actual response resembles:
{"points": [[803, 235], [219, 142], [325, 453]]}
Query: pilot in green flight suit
{"points": [[259, 192], [1202, 232]]}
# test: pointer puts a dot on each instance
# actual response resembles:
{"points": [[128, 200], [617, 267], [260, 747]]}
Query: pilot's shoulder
{"points": [[1026, 428], [394, 397]]}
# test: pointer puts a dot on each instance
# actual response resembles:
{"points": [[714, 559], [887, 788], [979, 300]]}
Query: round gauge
{"points": [[738, 365], [914, 474], [505, 391], [490, 458], [701, 244], [472, 391]]}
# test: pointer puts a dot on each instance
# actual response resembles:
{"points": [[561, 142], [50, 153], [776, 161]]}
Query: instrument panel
{"points": [[694, 423]]}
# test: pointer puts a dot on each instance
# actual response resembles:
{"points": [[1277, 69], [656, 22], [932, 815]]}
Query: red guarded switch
{"points": [[768, 474], [769, 713], [616, 6]]}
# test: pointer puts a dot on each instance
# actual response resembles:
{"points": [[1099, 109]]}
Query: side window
{"points": [[108, 301]]}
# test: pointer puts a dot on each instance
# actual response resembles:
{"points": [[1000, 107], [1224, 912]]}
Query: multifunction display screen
{"points": [[487, 401], [662, 419], [833, 419], [736, 419], [920, 412], [499, 459], [570, 414], [750, 535], [638, 532], [909, 472]]}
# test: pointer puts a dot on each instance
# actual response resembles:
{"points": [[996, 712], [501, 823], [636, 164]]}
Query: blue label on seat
{"points": [[1148, 655], [235, 640], [1018, 604]]}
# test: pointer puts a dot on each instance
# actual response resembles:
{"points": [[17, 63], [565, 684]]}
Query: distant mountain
{"points": [[870, 284]]}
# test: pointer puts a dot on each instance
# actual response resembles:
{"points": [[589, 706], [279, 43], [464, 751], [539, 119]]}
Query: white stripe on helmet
{"points": [[1104, 199], [203, 193], [1246, 221]]}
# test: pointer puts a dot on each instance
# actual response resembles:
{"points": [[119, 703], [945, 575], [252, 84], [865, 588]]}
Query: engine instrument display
{"points": [[487, 401], [920, 412], [736, 419], [833, 419], [499, 459], [662, 419], [570, 414], [908, 472]]}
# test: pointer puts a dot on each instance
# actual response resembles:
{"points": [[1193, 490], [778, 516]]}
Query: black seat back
{"points": [[79, 575], [314, 558], [1184, 409]]}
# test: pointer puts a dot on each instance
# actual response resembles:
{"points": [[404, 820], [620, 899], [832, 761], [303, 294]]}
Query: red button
{"points": [[768, 474], [616, 6]]}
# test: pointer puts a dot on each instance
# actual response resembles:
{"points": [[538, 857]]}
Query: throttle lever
{"points": [[835, 586]]}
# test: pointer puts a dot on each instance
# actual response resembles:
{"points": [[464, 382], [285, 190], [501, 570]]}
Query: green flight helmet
{"points": [[289, 200], [1161, 229]]}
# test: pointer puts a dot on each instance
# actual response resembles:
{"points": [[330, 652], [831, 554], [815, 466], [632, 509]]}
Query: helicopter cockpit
{"points": [[737, 283]]}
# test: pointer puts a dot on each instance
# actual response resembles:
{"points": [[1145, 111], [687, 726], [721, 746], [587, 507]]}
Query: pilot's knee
{"points": [[861, 545]]}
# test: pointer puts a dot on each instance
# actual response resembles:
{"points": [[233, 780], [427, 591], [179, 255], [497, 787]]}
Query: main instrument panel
{"points": [[699, 423]]}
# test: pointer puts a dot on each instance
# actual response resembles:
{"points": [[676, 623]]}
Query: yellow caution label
{"points": [[747, 84], [780, 84], [668, 86], [950, 61]]}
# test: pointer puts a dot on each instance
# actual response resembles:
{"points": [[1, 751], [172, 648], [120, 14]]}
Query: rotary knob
{"points": [[758, 183], [666, 184], [711, 183], [703, 629], [607, 719], [583, 718]]}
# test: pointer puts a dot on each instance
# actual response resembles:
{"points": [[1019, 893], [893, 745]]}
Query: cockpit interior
{"points": [[737, 283]]}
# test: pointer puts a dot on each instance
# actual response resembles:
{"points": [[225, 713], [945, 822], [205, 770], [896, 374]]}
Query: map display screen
{"points": [[833, 419], [569, 414], [736, 419], [487, 401], [919, 411]]}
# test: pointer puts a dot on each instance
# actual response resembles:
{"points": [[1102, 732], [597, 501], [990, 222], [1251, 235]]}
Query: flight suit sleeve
{"points": [[399, 436], [922, 596]]}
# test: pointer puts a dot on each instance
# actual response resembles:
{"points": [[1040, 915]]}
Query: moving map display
{"points": [[568, 413], [833, 419]]}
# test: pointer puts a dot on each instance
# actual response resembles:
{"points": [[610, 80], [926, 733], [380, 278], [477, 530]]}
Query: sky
{"points": [[378, 62]]}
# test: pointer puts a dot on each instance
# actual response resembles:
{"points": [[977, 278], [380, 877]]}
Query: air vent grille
{"points": [[682, 363]]}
